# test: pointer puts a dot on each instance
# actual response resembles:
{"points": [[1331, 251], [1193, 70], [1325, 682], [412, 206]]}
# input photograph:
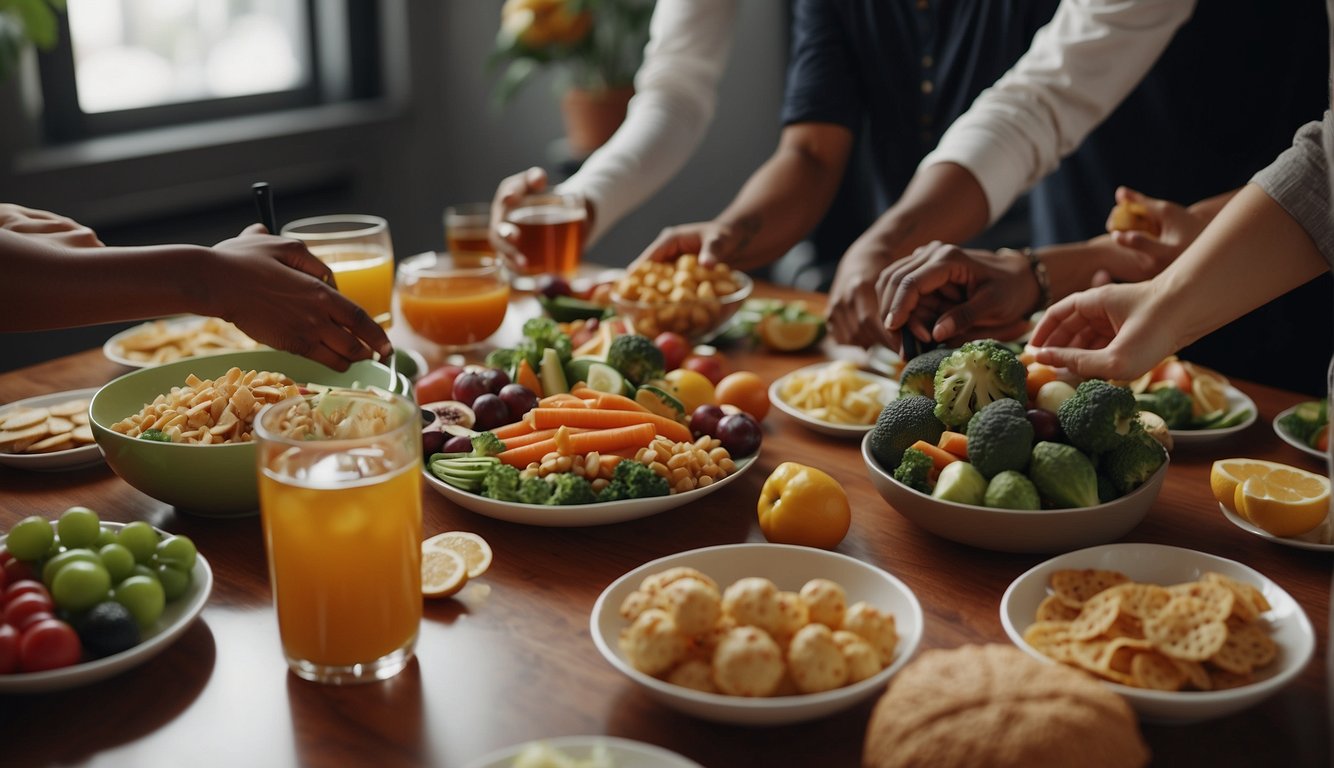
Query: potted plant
{"points": [[24, 21], [597, 46]]}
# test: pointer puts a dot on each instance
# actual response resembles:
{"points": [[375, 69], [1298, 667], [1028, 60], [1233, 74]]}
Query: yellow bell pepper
{"points": [[803, 505]]}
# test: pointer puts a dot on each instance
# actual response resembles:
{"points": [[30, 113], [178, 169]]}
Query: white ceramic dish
{"points": [[1017, 530], [1317, 540], [577, 515], [788, 567], [1236, 401], [176, 618], [73, 458], [1158, 564], [111, 347], [623, 753], [1294, 442], [889, 389]]}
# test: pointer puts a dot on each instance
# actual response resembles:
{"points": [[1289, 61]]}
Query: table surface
{"points": [[510, 658]]}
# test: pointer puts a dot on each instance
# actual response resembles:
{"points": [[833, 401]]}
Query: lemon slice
{"points": [[1210, 395], [444, 571], [1227, 474], [1284, 502], [790, 334], [474, 549]]}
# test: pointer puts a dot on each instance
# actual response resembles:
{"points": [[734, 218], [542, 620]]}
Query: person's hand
{"points": [[948, 294], [59, 230], [713, 241], [1103, 333], [854, 315], [1146, 253], [273, 289], [504, 235]]}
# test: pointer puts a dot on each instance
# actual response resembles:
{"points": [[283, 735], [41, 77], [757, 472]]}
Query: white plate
{"points": [[1158, 564], [623, 753], [788, 567], [175, 322], [1290, 440], [576, 515], [73, 458], [1236, 401], [176, 618], [889, 389], [1317, 540]]}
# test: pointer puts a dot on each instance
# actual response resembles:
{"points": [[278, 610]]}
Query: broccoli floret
{"points": [[462, 470], [539, 334], [486, 444], [503, 359], [1132, 462], [569, 488], [1106, 489], [1063, 475], [1000, 438], [1305, 421], [1168, 402], [901, 423], [919, 375], [501, 483], [974, 375], [914, 470], [636, 358], [534, 490], [633, 480], [1098, 416], [1011, 490]]}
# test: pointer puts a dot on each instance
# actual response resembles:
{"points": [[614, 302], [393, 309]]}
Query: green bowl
{"points": [[212, 480]]}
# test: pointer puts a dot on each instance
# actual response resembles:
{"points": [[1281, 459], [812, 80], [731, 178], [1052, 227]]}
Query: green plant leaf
{"points": [[39, 21]]}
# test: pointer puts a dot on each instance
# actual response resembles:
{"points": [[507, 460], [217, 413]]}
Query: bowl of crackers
{"points": [[183, 432], [1183, 636], [48, 432], [757, 634], [682, 296]]}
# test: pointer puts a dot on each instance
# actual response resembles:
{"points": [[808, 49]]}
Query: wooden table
{"points": [[510, 659]]}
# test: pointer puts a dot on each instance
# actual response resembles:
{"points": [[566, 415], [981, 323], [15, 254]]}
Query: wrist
{"points": [[1040, 277]]}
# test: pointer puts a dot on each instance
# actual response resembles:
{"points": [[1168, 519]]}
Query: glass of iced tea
{"points": [[340, 504], [552, 228], [454, 300], [358, 250], [468, 228]]}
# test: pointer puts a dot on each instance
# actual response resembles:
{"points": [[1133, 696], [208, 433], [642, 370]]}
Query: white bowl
{"points": [[1158, 564], [789, 567], [1016, 530], [1236, 401], [889, 389], [621, 752]]}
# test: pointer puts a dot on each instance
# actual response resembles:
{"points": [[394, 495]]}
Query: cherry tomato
{"points": [[9, 649], [23, 587], [19, 609], [1175, 372], [1322, 439], [4, 580], [709, 365], [49, 644], [17, 570], [674, 348], [28, 621], [438, 384]]}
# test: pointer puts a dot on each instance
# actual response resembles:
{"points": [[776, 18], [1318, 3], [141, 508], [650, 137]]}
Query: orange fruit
{"points": [[746, 391], [1227, 474], [475, 551], [444, 571], [1284, 502], [692, 388]]}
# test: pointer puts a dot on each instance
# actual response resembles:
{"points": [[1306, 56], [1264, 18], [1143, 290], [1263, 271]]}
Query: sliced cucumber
{"points": [[660, 402], [577, 369], [604, 378], [552, 373]]}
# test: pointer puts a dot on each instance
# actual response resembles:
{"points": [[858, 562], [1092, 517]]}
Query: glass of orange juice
{"points": [[358, 250], [552, 227], [468, 228], [454, 300], [340, 504]]}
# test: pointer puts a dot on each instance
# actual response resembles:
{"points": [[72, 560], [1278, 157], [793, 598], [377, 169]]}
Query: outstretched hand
{"points": [[1103, 333], [512, 189], [1159, 232]]}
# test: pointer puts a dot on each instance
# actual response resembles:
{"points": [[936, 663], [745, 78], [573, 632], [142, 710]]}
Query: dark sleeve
{"points": [[821, 79]]}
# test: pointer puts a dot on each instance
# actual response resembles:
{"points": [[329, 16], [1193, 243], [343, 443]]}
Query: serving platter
{"points": [[577, 515], [72, 458], [889, 389], [1317, 540], [1290, 440], [1236, 401], [623, 753]]}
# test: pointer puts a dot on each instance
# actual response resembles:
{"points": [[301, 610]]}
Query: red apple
{"points": [[674, 348]]}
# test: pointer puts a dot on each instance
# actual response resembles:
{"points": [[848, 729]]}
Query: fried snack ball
{"points": [[692, 604], [656, 582], [815, 661], [652, 643], [696, 674], [634, 604], [747, 662], [863, 661], [875, 627], [792, 615], [705, 643], [753, 601], [826, 601]]}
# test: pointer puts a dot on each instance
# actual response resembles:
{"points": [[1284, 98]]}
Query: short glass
{"points": [[454, 300], [552, 228], [468, 228], [359, 251], [340, 503]]}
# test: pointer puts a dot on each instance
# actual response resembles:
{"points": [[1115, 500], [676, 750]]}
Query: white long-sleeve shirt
{"points": [[676, 90], [1080, 66]]}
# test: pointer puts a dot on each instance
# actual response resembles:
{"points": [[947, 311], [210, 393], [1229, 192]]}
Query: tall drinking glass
{"points": [[340, 503], [468, 228], [453, 300], [358, 250], [552, 228]]}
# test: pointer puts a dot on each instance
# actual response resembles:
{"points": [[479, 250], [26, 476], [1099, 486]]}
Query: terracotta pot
{"points": [[591, 117]]}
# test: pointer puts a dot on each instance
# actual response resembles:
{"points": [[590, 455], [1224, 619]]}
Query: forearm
{"points": [[1209, 207], [942, 202], [1072, 266]]}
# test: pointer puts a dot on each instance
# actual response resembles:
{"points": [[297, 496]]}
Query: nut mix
{"points": [[208, 411], [683, 296]]}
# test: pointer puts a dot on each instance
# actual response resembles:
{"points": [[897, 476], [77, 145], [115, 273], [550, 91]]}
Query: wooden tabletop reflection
{"points": [[510, 658]]}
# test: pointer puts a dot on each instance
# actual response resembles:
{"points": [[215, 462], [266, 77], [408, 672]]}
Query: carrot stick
{"points": [[520, 427], [601, 418], [608, 401], [561, 399], [600, 440], [519, 441], [956, 443], [940, 457]]}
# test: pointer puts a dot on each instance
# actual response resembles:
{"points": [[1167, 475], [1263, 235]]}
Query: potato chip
{"points": [[1186, 629], [1155, 671], [1245, 649], [1097, 616], [1195, 674], [1217, 597], [1075, 587], [1052, 608], [1223, 679]]}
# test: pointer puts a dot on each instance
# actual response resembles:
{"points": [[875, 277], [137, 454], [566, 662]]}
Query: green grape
{"points": [[55, 564], [174, 581], [30, 538], [118, 560], [57, 546], [142, 570], [140, 538], [143, 597], [106, 536], [78, 527], [178, 551], [80, 585]]}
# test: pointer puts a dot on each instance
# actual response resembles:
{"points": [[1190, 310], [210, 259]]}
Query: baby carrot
{"points": [[600, 440], [602, 418]]}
